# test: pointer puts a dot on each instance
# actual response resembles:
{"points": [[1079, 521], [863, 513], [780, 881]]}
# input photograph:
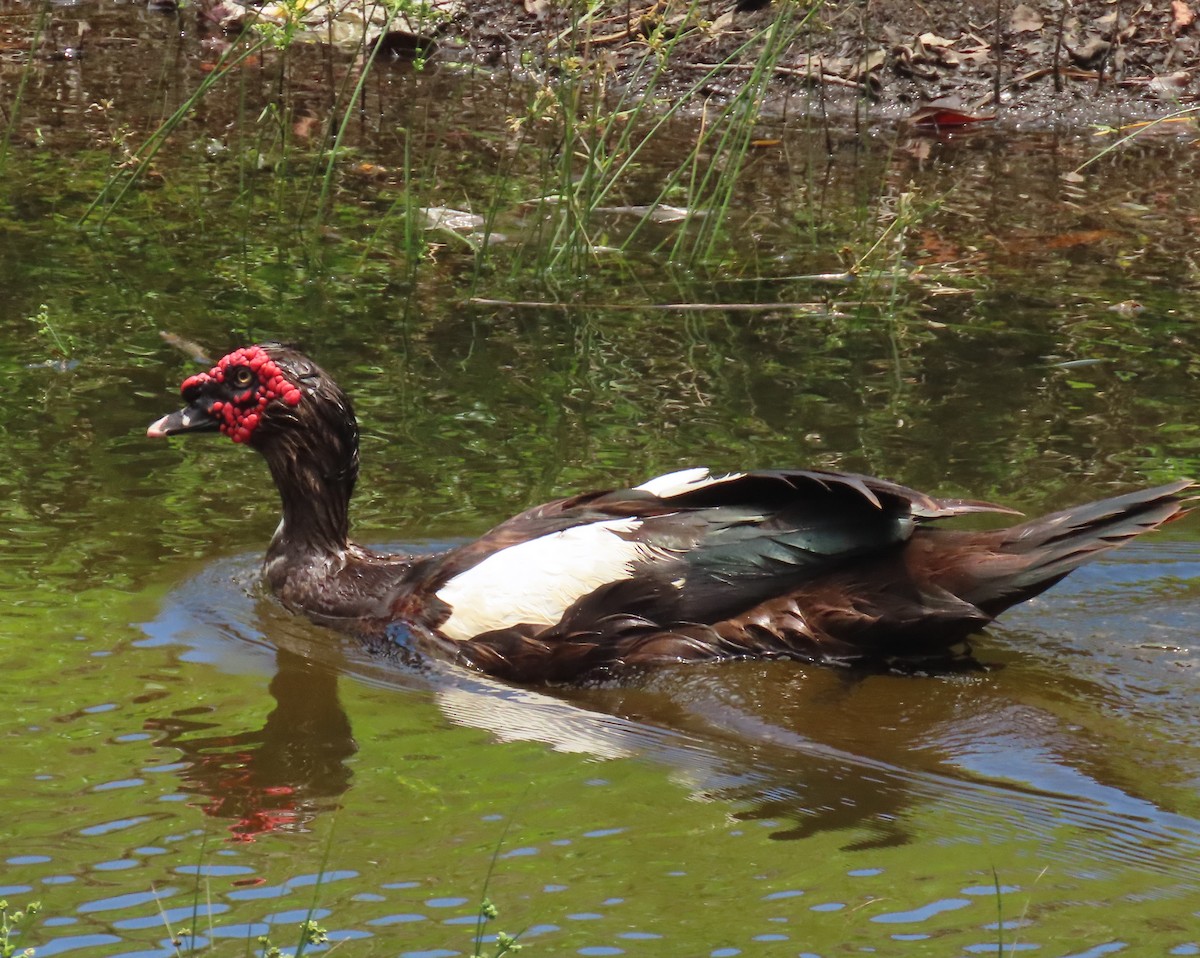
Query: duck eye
{"points": [[240, 376]]}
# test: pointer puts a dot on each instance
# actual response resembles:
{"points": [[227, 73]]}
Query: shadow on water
{"points": [[1023, 746]]}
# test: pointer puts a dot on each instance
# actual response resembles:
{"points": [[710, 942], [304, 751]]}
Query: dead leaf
{"points": [[869, 63], [723, 24], [537, 7], [914, 65], [976, 56], [1172, 86], [933, 40], [943, 116], [1025, 20], [936, 49], [1182, 16]]}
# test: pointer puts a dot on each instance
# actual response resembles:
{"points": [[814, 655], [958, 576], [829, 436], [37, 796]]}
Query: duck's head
{"points": [[276, 400], [258, 394]]}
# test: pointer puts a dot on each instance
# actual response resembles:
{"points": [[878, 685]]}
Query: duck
{"points": [[814, 565]]}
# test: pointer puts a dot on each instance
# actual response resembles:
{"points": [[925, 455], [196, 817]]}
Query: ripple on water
{"points": [[247, 931], [923, 913], [118, 864], [1098, 951], [116, 825], [448, 902], [15, 889], [401, 919], [320, 878], [172, 917], [296, 915], [130, 900], [214, 871], [783, 895], [258, 892], [61, 946], [522, 852]]}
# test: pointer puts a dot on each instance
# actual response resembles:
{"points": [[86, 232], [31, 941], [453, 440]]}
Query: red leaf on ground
{"points": [[941, 116]]}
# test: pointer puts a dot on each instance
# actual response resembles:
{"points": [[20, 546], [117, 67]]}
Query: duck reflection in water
{"points": [[280, 776], [801, 748]]}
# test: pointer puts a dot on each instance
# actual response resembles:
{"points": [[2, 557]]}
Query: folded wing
{"points": [[701, 549]]}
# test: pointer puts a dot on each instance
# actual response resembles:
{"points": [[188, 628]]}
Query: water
{"points": [[184, 758]]}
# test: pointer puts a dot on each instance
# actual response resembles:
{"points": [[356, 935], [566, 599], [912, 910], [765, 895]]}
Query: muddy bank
{"points": [[1082, 63]]}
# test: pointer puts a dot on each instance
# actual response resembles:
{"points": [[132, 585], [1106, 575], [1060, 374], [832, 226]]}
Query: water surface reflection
{"points": [[1034, 745]]}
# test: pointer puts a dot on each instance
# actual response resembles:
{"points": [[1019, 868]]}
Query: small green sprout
{"points": [[10, 925]]}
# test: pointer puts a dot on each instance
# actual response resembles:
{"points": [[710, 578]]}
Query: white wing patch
{"points": [[686, 480], [536, 581]]}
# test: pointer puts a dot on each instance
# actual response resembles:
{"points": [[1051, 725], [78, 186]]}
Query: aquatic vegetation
{"points": [[11, 923], [503, 944]]}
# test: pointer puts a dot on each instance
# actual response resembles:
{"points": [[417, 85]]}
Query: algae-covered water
{"points": [[182, 758]]}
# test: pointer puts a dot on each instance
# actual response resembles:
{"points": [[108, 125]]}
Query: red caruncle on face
{"points": [[254, 380]]}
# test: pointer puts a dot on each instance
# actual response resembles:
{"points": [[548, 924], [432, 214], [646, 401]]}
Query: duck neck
{"points": [[315, 483]]}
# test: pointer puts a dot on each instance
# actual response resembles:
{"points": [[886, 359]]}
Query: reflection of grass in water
{"points": [[140, 162], [13, 109], [585, 142], [592, 143], [578, 156], [1018, 922]]}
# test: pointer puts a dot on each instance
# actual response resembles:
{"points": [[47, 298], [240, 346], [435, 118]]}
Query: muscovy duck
{"points": [[804, 564]]}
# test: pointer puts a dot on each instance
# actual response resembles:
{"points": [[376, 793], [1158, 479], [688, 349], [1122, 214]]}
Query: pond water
{"points": [[183, 758]]}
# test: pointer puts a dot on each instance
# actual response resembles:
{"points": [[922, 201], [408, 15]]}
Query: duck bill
{"points": [[188, 419]]}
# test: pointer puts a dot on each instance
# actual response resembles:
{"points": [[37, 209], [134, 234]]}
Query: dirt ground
{"points": [[1077, 62]]}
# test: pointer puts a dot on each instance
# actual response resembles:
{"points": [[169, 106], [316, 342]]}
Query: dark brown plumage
{"points": [[804, 564]]}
